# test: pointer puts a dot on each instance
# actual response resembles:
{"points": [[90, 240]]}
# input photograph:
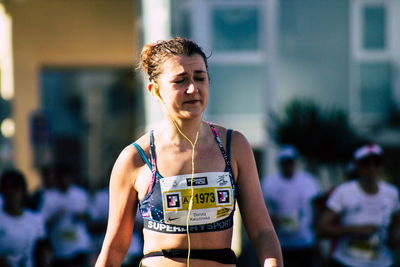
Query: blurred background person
{"points": [[43, 253], [48, 176], [327, 246], [98, 225], [19, 227], [98, 215], [289, 195], [66, 212], [368, 212]]}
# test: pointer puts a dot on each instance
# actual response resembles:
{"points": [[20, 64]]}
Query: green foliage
{"points": [[320, 135]]}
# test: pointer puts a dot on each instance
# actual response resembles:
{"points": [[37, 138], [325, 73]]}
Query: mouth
{"points": [[191, 102]]}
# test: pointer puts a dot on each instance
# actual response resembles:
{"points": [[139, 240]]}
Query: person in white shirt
{"points": [[48, 179], [66, 212], [368, 212], [20, 228], [289, 195], [98, 214]]}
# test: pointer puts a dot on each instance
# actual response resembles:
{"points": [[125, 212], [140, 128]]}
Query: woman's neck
{"points": [[174, 130]]}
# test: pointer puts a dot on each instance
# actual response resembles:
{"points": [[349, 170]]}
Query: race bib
{"points": [[212, 198], [366, 249], [289, 223], [69, 234]]}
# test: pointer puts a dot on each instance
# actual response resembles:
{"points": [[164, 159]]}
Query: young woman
{"points": [[186, 175]]}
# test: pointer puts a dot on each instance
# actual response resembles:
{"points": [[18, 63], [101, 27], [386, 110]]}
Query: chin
{"points": [[191, 114]]}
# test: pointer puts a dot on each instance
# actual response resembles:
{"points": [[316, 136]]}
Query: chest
{"points": [[359, 209], [16, 236], [292, 192], [174, 161]]}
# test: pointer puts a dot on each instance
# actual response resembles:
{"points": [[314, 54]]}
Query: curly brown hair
{"points": [[153, 55]]}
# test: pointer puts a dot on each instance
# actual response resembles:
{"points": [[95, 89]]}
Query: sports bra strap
{"points": [[221, 146], [142, 154], [153, 161], [228, 144], [144, 157], [152, 152]]}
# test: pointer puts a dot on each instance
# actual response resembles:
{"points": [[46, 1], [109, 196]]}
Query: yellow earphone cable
{"points": [[191, 184], [192, 176]]}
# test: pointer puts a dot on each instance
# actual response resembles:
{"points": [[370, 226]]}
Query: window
{"points": [[374, 27], [180, 18], [236, 88], [235, 29], [375, 88], [92, 113], [372, 84]]}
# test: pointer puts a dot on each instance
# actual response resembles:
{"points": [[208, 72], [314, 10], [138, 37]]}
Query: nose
{"points": [[192, 88]]}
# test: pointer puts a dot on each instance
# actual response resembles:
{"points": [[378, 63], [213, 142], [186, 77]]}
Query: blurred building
{"points": [[71, 63], [72, 60]]}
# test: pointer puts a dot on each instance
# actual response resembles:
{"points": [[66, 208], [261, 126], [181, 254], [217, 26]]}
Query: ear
{"points": [[154, 90], [150, 87]]}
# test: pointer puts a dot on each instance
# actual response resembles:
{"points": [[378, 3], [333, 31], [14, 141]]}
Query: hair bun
{"points": [[145, 57]]}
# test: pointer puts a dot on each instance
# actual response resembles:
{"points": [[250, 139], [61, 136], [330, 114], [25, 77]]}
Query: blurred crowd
{"points": [[355, 223], [61, 224]]}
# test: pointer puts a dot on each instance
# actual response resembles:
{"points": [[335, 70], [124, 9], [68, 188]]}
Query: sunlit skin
{"points": [[183, 92]]}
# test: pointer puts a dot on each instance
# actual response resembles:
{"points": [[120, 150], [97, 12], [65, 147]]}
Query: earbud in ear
{"points": [[156, 91]]}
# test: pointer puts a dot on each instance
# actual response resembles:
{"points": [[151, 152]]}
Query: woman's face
{"points": [[184, 86]]}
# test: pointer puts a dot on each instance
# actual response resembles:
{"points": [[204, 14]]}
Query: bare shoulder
{"points": [[130, 153], [240, 148], [237, 137], [220, 129], [239, 144], [241, 152], [129, 162]]}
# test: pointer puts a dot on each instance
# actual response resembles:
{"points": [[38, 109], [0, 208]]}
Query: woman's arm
{"points": [[122, 210], [329, 226], [251, 203]]}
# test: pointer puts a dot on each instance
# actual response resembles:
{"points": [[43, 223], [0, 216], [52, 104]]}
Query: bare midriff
{"points": [[155, 241]]}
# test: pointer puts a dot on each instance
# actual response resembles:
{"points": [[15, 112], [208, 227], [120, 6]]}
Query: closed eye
{"points": [[180, 81]]}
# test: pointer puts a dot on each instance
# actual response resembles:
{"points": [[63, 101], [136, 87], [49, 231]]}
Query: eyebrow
{"points": [[196, 72]]}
